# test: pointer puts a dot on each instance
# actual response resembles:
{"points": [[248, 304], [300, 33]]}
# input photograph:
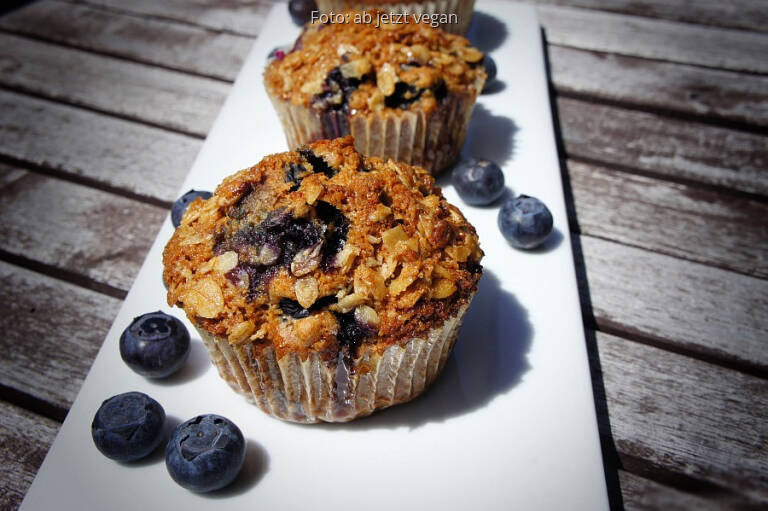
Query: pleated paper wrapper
{"points": [[461, 8], [314, 390], [432, 140]]}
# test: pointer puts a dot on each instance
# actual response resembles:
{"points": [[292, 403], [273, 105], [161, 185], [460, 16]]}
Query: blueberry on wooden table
{"points": [[478, 182], [205, 453], [525, 221], [155, 345], [127, 427], [301, 10], [183, 202]]}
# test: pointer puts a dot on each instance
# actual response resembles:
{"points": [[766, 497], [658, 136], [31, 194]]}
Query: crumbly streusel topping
{"points": [[360, 68], [322, 248]]}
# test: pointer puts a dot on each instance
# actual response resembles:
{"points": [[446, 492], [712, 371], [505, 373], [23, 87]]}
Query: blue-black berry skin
{"points": [[301, 10], [183, 202], [490, 70], [478, 182], [205, 453], [155, 345], [127, 427], [525, 222]]}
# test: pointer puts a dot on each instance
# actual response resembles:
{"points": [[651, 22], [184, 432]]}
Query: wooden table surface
{"points": [[663, 115]]}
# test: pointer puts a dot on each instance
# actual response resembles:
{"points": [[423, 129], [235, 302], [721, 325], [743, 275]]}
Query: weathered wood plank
{"points": [[239, 16], [146, 93], [640, 493], [52, 331], [143, 160], [76, 228], [178, 46], [745, 14], [674, 219], [688, 417], [662, 85], [687, 306], [679, 149], [24, 441], [655, 39]]}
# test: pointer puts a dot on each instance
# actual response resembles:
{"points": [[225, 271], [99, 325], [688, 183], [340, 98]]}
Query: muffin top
{"points": [[322, 250], [359, 68]]}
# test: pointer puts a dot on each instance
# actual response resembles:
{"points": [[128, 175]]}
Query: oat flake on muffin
{"points": [[404, 91], [325, 285]]}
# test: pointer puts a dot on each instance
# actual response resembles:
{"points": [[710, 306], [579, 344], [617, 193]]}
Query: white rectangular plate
{"points": [[510, 424]]}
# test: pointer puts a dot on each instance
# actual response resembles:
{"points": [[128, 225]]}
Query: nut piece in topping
{"points": [[306, 291], [356, 69], [264, 255], [307, 260], [205, 299], [225, 262], [380, 213], [241, 331], [386, 79], [443, 288], [367, 316]]}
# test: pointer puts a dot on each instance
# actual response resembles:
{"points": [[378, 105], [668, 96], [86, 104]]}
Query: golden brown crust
{"points": [[367, 241], [414, 56]]}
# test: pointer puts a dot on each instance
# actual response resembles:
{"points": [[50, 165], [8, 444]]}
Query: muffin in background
{"points": [[325, 285], [458, 13], [403, 91]]}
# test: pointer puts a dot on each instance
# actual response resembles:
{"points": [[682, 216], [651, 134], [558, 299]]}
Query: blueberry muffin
{"points": [[453, 16], [325, 285], [403, 91]]}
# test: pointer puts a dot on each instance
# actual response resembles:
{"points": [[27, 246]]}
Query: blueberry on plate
{"points": [[301, 10], [183, 202], [478, 182], [155, 345], [525, 221], [205, 453], [127, 427], [490, 70]]}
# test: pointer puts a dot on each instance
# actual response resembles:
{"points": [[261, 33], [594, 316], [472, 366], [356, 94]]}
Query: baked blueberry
{"points": [[301, 10], [525, 221], [127, 427], [478, 182], [155, 345], [490, 70], [278, 53], [183, 202], [205, 453]]}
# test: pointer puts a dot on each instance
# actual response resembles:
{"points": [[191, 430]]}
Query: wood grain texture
{"points": [[143, 160], [24, 441], [688, 417], [640, 493], [671, 41], [239, 16], [660, 85], [52, 331], [674, 219], [174, 45], [75, 228], [679, 149], [679, 304], [137, 91], [745, 14]]}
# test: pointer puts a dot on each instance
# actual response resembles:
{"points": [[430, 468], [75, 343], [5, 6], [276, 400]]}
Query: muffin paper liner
{"points": [[432, 141], [314, 390], [461, 8]]}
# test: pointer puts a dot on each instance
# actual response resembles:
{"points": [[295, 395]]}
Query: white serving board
{"points": [[510, 424]]}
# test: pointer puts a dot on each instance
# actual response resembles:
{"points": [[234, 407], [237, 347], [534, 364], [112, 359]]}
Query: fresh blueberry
{"points": [[127, 427], [183, 202], [301, 10], [525, 221], [205, 453], [155, 345], [478, 182], [490, 70]]}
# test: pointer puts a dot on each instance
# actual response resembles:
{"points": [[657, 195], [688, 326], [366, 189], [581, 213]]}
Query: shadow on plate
{"points": [[486, 31], [489, 359], [197, 365], [490, 136], [255, 466]]}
